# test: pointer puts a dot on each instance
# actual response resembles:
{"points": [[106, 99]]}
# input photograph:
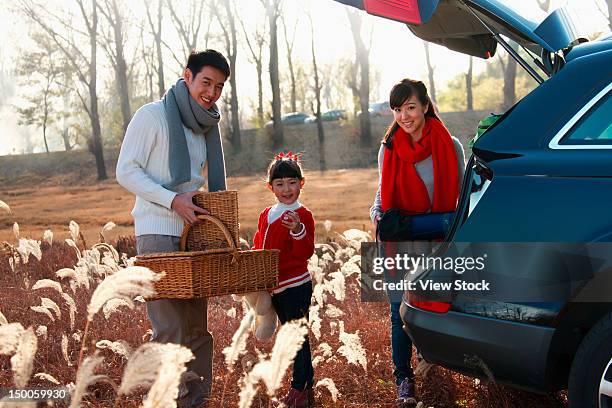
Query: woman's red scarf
{"points": [[401, 187]]}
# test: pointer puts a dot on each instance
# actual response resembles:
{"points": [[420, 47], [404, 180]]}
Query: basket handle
{"points": [[226, 233]]}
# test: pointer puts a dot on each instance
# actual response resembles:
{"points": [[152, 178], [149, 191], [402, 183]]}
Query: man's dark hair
{"points": [[198, 60]]}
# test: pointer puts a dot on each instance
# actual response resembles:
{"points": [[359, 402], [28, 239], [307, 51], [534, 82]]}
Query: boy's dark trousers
{"points": [[292, 304]]}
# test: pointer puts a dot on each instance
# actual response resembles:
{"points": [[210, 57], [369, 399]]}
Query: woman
{"points": [[421, 168]]}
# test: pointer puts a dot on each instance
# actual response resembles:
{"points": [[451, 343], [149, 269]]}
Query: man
{"points": [[166, 146]]}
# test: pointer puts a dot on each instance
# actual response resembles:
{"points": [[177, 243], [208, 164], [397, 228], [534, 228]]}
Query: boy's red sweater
{"points": [[294, 251]]}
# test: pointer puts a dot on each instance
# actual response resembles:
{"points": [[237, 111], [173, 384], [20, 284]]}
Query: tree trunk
{"points": [[124, 93], [158, 47], [468, 87], [115, 51], [97, 147], [292, 75], [364, 98], [148, 61], [46, 113], [236, 139], [45, 137], [364, 83], [66, 138], [260, 112], [256, 58], [289, 44], [430, 73], [353, 86], [121, 69], [65, 129], [317, 89], [509, 83], [277, 136]]}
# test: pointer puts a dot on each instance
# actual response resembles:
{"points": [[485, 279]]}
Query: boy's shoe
{"points": [[298, 398], [405, 394]]}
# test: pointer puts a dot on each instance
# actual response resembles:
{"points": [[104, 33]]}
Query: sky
{"points": [[395, 52]]}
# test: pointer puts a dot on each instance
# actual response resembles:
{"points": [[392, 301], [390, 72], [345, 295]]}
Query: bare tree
{"points": [[256, 50], [114, 46], [187, 25], [85, 66], [334, 92], [363, 62], [228, 26], [510, 66], [317, 92], [42, 68], [509, 70], [156, 30], [148, 62], [351, 74], [430, 73], [289, 43], [273, 12], [66, 104], [468, 86], [224, 107]]}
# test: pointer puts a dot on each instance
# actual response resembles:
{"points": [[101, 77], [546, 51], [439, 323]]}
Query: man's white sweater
{"points": [[143, 168]]}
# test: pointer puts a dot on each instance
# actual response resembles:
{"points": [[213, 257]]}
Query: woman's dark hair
{"points": [[400, 93], [284, 167], [198, 60]]}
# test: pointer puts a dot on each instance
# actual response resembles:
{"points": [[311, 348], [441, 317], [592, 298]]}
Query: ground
{"points": [[341, 196]]}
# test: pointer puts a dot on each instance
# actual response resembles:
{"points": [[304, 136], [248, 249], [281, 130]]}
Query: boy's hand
{"points": [[185, 208], [291, 220]]}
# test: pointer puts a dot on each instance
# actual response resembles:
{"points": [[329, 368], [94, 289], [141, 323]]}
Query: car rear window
{"points": [[594, 128]]}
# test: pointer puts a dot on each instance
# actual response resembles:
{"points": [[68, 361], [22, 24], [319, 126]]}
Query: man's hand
{"points": [[184, 206]]}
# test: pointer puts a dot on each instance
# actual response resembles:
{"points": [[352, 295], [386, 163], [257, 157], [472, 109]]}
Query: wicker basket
{"points": [[214, 272], [222, 205], [182, 273]]}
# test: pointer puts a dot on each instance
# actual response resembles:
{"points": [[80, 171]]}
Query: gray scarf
{"points": [[182, 109]]}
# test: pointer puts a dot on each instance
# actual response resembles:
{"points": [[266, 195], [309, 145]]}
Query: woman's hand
{"points": [[376, 220], [291, 220]]}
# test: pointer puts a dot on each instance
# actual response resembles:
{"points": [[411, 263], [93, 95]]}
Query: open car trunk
{"points": [[475, 27]]}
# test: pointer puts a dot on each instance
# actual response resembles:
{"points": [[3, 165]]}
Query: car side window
{"points": [[594, 128]]}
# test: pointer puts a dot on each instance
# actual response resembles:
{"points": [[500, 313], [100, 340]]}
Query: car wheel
{"points": [[590, 380]]}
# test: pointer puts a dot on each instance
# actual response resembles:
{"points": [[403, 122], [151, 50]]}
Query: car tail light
{"points": [[428, 305], [398, 10]]}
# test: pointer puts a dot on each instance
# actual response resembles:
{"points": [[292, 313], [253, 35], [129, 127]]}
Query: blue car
{"points": [[537, 196]]}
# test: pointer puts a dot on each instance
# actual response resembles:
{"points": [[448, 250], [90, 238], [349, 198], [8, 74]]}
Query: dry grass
{"points": [[343, 196], [357, 387]]}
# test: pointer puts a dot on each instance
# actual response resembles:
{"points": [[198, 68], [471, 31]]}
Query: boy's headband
{"points": [[286, 156]]}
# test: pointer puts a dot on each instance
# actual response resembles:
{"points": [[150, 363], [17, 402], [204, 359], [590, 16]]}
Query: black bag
{"points": [[394, 225], [398, 225]]}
